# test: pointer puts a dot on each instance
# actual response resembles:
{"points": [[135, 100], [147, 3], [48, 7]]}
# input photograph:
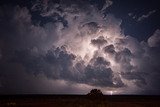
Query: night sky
{"points": [[73, 46]]}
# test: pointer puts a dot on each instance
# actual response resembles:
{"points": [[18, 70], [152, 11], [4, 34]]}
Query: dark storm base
{"points": [[78, 101]]}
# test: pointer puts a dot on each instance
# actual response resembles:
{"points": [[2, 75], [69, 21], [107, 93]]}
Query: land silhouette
{"points": [[95, 98]]}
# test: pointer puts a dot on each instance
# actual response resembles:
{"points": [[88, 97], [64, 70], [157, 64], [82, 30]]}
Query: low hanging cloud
{"points": [[79, 47]]}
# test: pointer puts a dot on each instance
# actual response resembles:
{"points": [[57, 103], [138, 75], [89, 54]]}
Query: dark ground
{"points": [[78, 101]]}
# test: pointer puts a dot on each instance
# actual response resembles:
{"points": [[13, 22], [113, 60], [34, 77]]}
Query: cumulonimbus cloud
{"points": [[79, 45]]}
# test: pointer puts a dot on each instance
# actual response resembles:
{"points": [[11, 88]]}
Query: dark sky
{"points": [[73, 46]]}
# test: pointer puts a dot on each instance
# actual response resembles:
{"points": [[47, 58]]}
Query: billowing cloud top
{"points": [[72, 49]]}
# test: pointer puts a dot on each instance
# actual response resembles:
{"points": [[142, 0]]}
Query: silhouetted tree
{"points": [[95, 92]]}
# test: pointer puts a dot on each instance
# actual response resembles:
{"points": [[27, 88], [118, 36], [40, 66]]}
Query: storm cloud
{"points": [[76, 49]]}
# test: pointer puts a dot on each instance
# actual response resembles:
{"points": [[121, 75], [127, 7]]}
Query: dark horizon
{"points": [[80, 100]]}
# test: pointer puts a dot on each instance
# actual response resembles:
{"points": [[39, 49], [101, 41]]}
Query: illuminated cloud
{"points": [[79, 47], [154, 40]]}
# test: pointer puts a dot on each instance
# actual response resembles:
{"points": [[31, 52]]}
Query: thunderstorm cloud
{"points": [[72, 49]]}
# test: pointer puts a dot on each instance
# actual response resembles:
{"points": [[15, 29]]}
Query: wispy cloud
{"points": [[107, 4], [142, 17], [146, 15]]}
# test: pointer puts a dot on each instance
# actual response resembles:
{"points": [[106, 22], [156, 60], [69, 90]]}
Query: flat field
{"points": [[78, 101]]}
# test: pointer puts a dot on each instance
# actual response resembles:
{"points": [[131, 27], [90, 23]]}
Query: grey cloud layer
{"points": [[79, 46]]}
